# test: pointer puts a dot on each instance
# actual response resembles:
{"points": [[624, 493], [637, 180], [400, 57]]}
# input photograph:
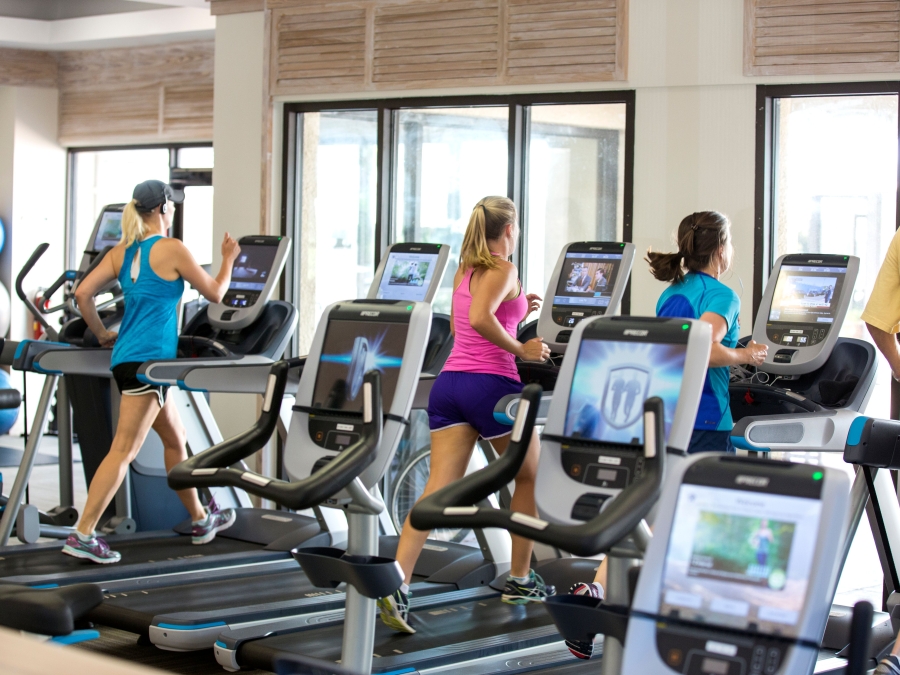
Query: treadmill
{"points": [[257, 536], [187, 611], [473, 631], [570, 305]]}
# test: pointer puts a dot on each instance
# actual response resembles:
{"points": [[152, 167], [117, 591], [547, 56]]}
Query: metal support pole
{"points": [[17, 494], [64, 427], [359, 617], [616, 594]]}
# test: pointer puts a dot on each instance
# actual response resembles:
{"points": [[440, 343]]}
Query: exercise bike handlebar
{"points": [[29, 303], [212, 467], [456, 504]]}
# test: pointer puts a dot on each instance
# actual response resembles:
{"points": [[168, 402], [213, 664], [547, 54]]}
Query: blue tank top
{"points": [[149, 328]]}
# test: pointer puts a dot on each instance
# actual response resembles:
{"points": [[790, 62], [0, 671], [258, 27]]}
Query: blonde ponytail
{"points": [[488, 221], [133, 225]]}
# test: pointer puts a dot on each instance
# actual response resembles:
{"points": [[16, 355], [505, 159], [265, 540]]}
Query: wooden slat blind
{"points": [[821, 36], [142, 94], [324, 46]]}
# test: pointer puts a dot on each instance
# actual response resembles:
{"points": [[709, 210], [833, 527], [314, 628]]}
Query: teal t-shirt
{"points": [[697, 294]]}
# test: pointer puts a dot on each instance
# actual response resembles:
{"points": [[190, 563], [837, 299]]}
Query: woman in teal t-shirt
{"points": [[704, 254]]}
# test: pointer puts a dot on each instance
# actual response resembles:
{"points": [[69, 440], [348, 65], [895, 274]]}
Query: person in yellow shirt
{"points": [[882, 312]]}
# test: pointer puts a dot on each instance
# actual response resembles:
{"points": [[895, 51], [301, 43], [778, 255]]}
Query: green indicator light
{"points": [[622, 245], [818, 475], [685, 326], [409, 308], [439, 245]]}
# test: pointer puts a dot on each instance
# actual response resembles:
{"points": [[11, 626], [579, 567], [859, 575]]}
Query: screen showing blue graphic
{"points": [[351, 349], [252, 267], [611, 382]]}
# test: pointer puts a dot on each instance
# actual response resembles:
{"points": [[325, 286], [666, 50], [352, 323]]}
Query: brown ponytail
{"points": [[488, 221], [700, 236]]}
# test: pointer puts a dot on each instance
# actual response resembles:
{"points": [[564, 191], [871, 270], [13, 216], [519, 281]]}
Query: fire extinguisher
{"points": [[37, 296]]}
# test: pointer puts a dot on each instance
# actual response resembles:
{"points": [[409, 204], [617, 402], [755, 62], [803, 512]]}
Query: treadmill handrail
{"points": [[146, 371], [212, 467], [52, 333], [455, 505]]}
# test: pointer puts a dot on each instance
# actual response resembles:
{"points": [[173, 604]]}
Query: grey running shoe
{"points": [[395, 611], [94, 549], [205, 531], [534, 590], [584, 650]]}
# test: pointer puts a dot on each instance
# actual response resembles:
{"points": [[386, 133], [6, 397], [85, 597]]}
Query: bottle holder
{"points": [[581, 617], [373, 576]]}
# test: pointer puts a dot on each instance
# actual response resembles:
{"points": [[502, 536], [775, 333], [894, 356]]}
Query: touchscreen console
{"points": [[109, 229], [407, 276]]}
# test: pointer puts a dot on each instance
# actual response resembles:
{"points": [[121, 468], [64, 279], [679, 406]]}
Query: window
{"points": [[360, 176], [827, 183], [98, 177]]}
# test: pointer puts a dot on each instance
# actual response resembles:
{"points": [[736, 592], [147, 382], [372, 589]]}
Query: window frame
{"points": [[766, 159], [386, 161], [178, 177]]}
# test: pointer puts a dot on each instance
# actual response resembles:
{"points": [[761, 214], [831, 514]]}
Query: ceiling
{"points": [[55, 10]]}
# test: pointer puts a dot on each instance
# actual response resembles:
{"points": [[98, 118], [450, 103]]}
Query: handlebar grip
{"points": [[860, 638], [29, 265]]}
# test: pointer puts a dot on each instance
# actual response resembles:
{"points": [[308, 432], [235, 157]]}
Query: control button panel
{"points": [[798, 336], [240, 299], [694, 651], [334, 435], [604, 468], [570, 318]]}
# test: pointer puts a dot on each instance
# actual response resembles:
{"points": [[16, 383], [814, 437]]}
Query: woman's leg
{"points": [[450, 452], [136, 415], [522, 501], [171, 432]]}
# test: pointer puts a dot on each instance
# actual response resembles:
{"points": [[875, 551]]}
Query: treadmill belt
{"points": [[444, 634], [175, 552]]}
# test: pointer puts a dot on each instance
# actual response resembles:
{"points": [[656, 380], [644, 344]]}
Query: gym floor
{"points": [[861, 579]]}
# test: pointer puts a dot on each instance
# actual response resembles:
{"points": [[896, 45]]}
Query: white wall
{"points": [[237, 133], [32, 200]]}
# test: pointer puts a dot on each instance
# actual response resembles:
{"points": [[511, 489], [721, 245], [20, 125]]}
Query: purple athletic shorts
{"points": [[469, 398]]}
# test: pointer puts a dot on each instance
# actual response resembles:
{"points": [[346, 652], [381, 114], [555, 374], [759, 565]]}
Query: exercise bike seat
{"points": [[50, 611]]}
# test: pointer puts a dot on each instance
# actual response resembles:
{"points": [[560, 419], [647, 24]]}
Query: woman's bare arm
{"points": [[211, 288], [99, 277], [720, 355]]}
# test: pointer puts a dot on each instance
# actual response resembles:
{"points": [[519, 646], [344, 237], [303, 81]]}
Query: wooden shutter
{"points": [[27, 68], [314, 49], [821, 36], [573, 39], [137, 95], [319, 46]]}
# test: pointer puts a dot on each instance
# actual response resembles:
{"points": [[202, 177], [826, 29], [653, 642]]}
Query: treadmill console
{"points": [[410, 271], [253, 279], [107, 232], [594, 430], [802, 310], [589, 280], [353, 338], [742, 570]]}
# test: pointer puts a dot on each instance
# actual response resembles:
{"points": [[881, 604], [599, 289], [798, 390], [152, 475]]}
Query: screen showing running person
{"points": [[252, 267], [807, 293], [739, 559], [587, 279], [351, 349], [407, 276], [110, 231], [611, 382]]}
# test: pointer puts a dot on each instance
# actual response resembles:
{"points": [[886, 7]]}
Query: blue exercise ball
{"points": [[2, 235], [7, 417]]}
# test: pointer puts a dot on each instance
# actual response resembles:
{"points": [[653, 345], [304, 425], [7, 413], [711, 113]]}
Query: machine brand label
{"points": [[635, 332], [369, 313], [595, 248], [818, 261], [415, 249], [752, 481], [345, 427]]}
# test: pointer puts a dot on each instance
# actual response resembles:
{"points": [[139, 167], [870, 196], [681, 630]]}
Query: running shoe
{"points": [[395, 611], [533, 590], [205, 531], [584, 650], [94, 549]]}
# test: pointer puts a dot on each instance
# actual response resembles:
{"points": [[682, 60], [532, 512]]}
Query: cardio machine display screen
{"points": [[740, 559], [252, 267], [109, 233], [351, 349], [611, 382], [807, 294], [587, 279], [407, 276]]}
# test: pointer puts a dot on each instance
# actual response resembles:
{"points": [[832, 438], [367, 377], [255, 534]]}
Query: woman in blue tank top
{"points": [[151, 269]]}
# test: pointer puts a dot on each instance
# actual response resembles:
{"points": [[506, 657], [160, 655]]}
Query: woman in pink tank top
{"points": [[488, 306]]}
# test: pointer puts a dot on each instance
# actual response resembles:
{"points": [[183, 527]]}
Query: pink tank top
{"points": [[472, 353]]}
